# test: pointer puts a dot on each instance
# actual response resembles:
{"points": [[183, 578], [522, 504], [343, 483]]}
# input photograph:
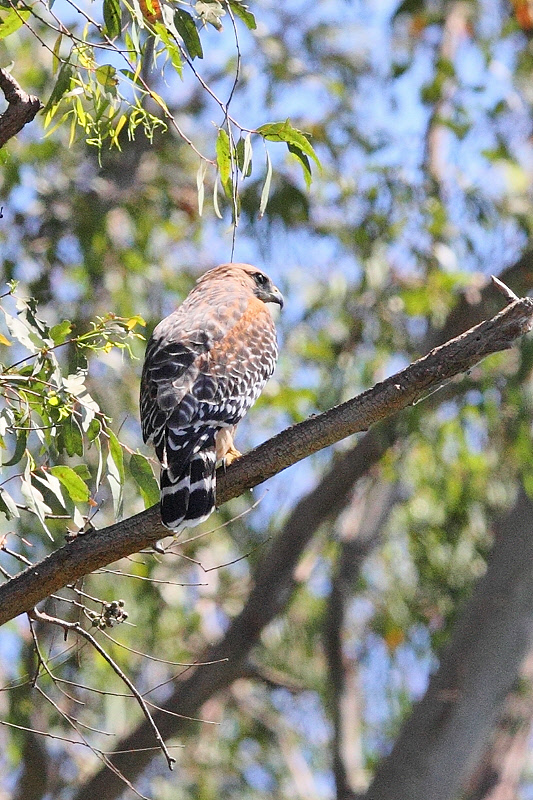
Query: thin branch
{"points": [[96, 549], [21, 108], [76, 627]]}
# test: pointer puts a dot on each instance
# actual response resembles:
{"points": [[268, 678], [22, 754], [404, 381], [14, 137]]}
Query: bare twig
{"points": [[509, 295], [76, 627], [97, 549], [21, 108]]}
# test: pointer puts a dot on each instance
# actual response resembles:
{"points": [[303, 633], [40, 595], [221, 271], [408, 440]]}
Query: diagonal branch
{"points": [[21, 108], [93, 550], [274, 580]]}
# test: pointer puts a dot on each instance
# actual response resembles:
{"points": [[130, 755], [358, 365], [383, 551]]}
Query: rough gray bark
{"points": [[22, 107]]}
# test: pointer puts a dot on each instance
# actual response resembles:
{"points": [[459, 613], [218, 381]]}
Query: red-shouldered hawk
{"points": [[205, 365]]}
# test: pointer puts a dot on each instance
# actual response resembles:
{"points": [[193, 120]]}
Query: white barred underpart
{"points": [[199, 377]]}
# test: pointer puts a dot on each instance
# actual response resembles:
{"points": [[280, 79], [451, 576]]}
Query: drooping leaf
{"points": [[266, 186], [115, 472], [224, 162], [112, 18], [8, 505], [34, 498], [296, 141], [142, 474], [200, 177], [303, 159], [62, 85], [244, 155], [20, 447], [21, 331], [188, 32], [70, 438], [241, 11]]}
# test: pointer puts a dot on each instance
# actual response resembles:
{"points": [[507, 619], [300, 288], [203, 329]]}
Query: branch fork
{"points": [[21, 109]]}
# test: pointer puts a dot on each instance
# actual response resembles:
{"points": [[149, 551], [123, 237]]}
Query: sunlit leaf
{"points": [[106, 76], [115, 472], [77, 489], [12, 21], [224, 162], [296, 141], [59, 332], [200, 177], [141, 472], [266, 186], [241, 10]]}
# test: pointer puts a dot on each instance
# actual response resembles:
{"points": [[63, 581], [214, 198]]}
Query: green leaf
{"points": [[142, 474], [70, 438], [187, 30], [62, 85], [244, 155], [224, 162], [112, 18], [241, 11], [58, 333], [284, 132], [172, 48], [12, 21], [304, 162], [20, 448], [83, 471], [34, 498], [77, 489], [93, 430], [56, 50], [106, 76]]}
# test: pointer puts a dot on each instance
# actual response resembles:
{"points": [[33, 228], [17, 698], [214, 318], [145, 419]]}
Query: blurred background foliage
{"points": [[420, 114]]}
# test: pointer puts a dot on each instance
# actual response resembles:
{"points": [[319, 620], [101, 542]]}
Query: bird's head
{"points": [[253, 278]]}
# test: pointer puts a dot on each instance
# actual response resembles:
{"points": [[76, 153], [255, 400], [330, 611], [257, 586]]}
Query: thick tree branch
{"points": [[21, 108], [96, 549]]}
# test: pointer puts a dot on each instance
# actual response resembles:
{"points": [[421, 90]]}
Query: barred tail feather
{"points": [[189, 498]]}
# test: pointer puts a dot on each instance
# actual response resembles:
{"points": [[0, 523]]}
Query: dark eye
{"points": [[261, 279]]}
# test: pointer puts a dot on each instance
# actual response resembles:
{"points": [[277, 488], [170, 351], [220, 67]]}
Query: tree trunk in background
{"points": [[442, 740], [498, 774]]}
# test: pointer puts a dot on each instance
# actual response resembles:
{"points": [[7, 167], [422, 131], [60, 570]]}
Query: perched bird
{"points": [[205, 365]]}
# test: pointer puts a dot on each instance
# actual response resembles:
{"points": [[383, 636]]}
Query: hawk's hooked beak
{"points": [[275, 296]]}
